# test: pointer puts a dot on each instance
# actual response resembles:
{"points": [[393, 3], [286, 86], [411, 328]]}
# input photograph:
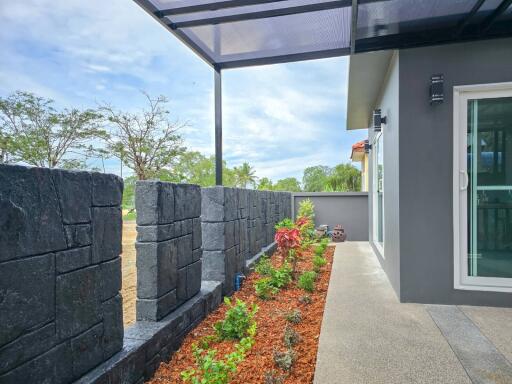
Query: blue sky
{"points": [[279, 118]]}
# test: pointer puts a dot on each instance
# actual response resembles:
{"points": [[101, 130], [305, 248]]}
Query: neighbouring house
{"points": [[439, 121], [360, 155]]}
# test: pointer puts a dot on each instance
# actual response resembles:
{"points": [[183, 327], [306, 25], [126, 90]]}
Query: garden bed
{"points": [[272, 318]]}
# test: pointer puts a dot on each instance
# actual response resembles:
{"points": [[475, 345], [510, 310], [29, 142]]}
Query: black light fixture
{"points": [[378, 120], [367, 146], [436, 89]]}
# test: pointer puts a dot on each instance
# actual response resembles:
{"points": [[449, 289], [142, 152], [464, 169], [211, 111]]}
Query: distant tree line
{"points": [[34, 132]]}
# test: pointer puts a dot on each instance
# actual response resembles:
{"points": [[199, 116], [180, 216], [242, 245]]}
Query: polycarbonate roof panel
{"points": [[237, 33]]}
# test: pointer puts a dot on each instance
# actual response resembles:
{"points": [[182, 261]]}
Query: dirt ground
{"points": [[129, 270]]}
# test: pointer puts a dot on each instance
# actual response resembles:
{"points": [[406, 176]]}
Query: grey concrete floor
{"points": [[368, 336]]}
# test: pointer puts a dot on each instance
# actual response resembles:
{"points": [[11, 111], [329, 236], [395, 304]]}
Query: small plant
{"points": [[324, 242], [305, 299], [218, 371], [273, 377], [291, 338], [285, 360], [319, 250], [264, 288], [281, 277], [294, 316], [318, 263], [285, 223], [307, 209], [237, 321], [307, 281], [264, 267]]}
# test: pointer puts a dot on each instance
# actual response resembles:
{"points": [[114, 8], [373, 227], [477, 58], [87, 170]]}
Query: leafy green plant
{"points": [[264, 288], [290, 337], [211, 370], [237, 321], [264, 266], [324, 242], [319, 250], [285, 223], [318, 263], [305, 299], [307, 209], [307, 281], [285, 360], [273, 377], [281, 277], [294, 316]]}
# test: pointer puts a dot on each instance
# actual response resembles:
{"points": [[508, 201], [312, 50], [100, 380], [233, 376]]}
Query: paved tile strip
{"points": [[482, 361]]}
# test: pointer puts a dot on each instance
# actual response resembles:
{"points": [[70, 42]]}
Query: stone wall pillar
{"points": [[168, 246], [60, 273]]}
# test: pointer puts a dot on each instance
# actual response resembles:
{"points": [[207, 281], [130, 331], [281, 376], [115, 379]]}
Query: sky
{"points": [[279, 118]]}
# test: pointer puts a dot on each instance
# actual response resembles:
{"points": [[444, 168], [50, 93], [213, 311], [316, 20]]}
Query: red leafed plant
{"points": [[287, 238], [302, 221]]}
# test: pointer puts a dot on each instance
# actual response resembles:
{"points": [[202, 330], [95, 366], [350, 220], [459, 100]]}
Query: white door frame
{"points": [[375, 177], [461, 95]]}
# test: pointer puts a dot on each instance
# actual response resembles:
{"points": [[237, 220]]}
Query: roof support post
{"points": [[218, 125]]}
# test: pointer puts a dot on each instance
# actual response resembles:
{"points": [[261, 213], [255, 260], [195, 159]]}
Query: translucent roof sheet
{"points": [[235, 33]]}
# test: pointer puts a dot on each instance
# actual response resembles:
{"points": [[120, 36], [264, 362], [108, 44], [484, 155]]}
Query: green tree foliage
{"points": [[147, 142], [315, 178], [196, 168], [290, 184], [244, 175], [34, 132], [265, 184], [341, 178]]}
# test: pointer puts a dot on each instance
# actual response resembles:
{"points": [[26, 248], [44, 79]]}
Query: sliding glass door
{"points": [[484, 187], [378, 192]]}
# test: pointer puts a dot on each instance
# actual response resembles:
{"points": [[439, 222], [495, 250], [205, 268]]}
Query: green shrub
{"points": [[264, 288], [281, 277], [290, 337], [294, 316], [307, 281], [237, 321], [273, 377], [218, 371], [318, 263], [324, 242], [264, 266], [285, 360], [307, 209], [305, 299], [319, 250], [285, 223]]}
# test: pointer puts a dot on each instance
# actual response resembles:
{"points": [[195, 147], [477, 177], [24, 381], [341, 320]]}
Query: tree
{"points": [[146, 142], [290, 184], [245, 174], [344, 178], [315, 178], [265, 184], [35, 133]]}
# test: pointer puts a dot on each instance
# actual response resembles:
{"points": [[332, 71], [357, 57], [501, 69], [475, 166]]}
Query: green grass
{"points": [[130, 216]]}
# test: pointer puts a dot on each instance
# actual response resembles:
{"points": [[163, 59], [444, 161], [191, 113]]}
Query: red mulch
{"points": [[271, 324]]}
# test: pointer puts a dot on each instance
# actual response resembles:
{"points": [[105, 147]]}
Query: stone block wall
{"points": [[60, 273], [237, 224], [168, 246]]}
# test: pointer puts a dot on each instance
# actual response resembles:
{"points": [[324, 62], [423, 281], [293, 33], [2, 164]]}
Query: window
{"points": [[378, 192]]}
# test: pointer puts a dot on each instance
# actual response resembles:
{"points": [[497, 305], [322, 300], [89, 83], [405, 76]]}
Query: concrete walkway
{"points": [[369, 337]]}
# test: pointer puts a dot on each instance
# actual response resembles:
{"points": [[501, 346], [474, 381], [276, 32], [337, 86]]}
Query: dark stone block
{"points": [[151, 366], [127, 367], [156, 268], [197, 254], [184, 245], [213, 236], [229, 233], [196, 233], [27, 294], [78, 301], [78, 235], [31, 221], [212, 204], [73, 259], [110, 278], [54, 366], [27, 347], [230, 204], [107, 190], [106, 233], [74, 192], [86, 350], [154, 201], [181, 290], [156, 233], [213, 265], [187, 202], [194, 278], [156, 309], [113, 328]]}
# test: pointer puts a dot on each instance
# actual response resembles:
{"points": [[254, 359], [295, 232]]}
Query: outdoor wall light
{"points": [[378, 120], [367, 146], [436, 89]]}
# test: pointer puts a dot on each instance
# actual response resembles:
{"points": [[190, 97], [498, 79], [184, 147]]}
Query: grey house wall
{"points": [[426, 167], [349, 209], [60, 273]]}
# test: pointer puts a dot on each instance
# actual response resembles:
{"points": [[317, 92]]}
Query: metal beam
{"points": [[212, 6], [462, 24], [196, 22], [353, 27], [288, 58], [218, 125], [489, 21]]}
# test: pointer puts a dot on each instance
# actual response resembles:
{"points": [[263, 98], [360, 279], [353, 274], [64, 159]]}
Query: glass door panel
{"points": [[489, 202]]}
